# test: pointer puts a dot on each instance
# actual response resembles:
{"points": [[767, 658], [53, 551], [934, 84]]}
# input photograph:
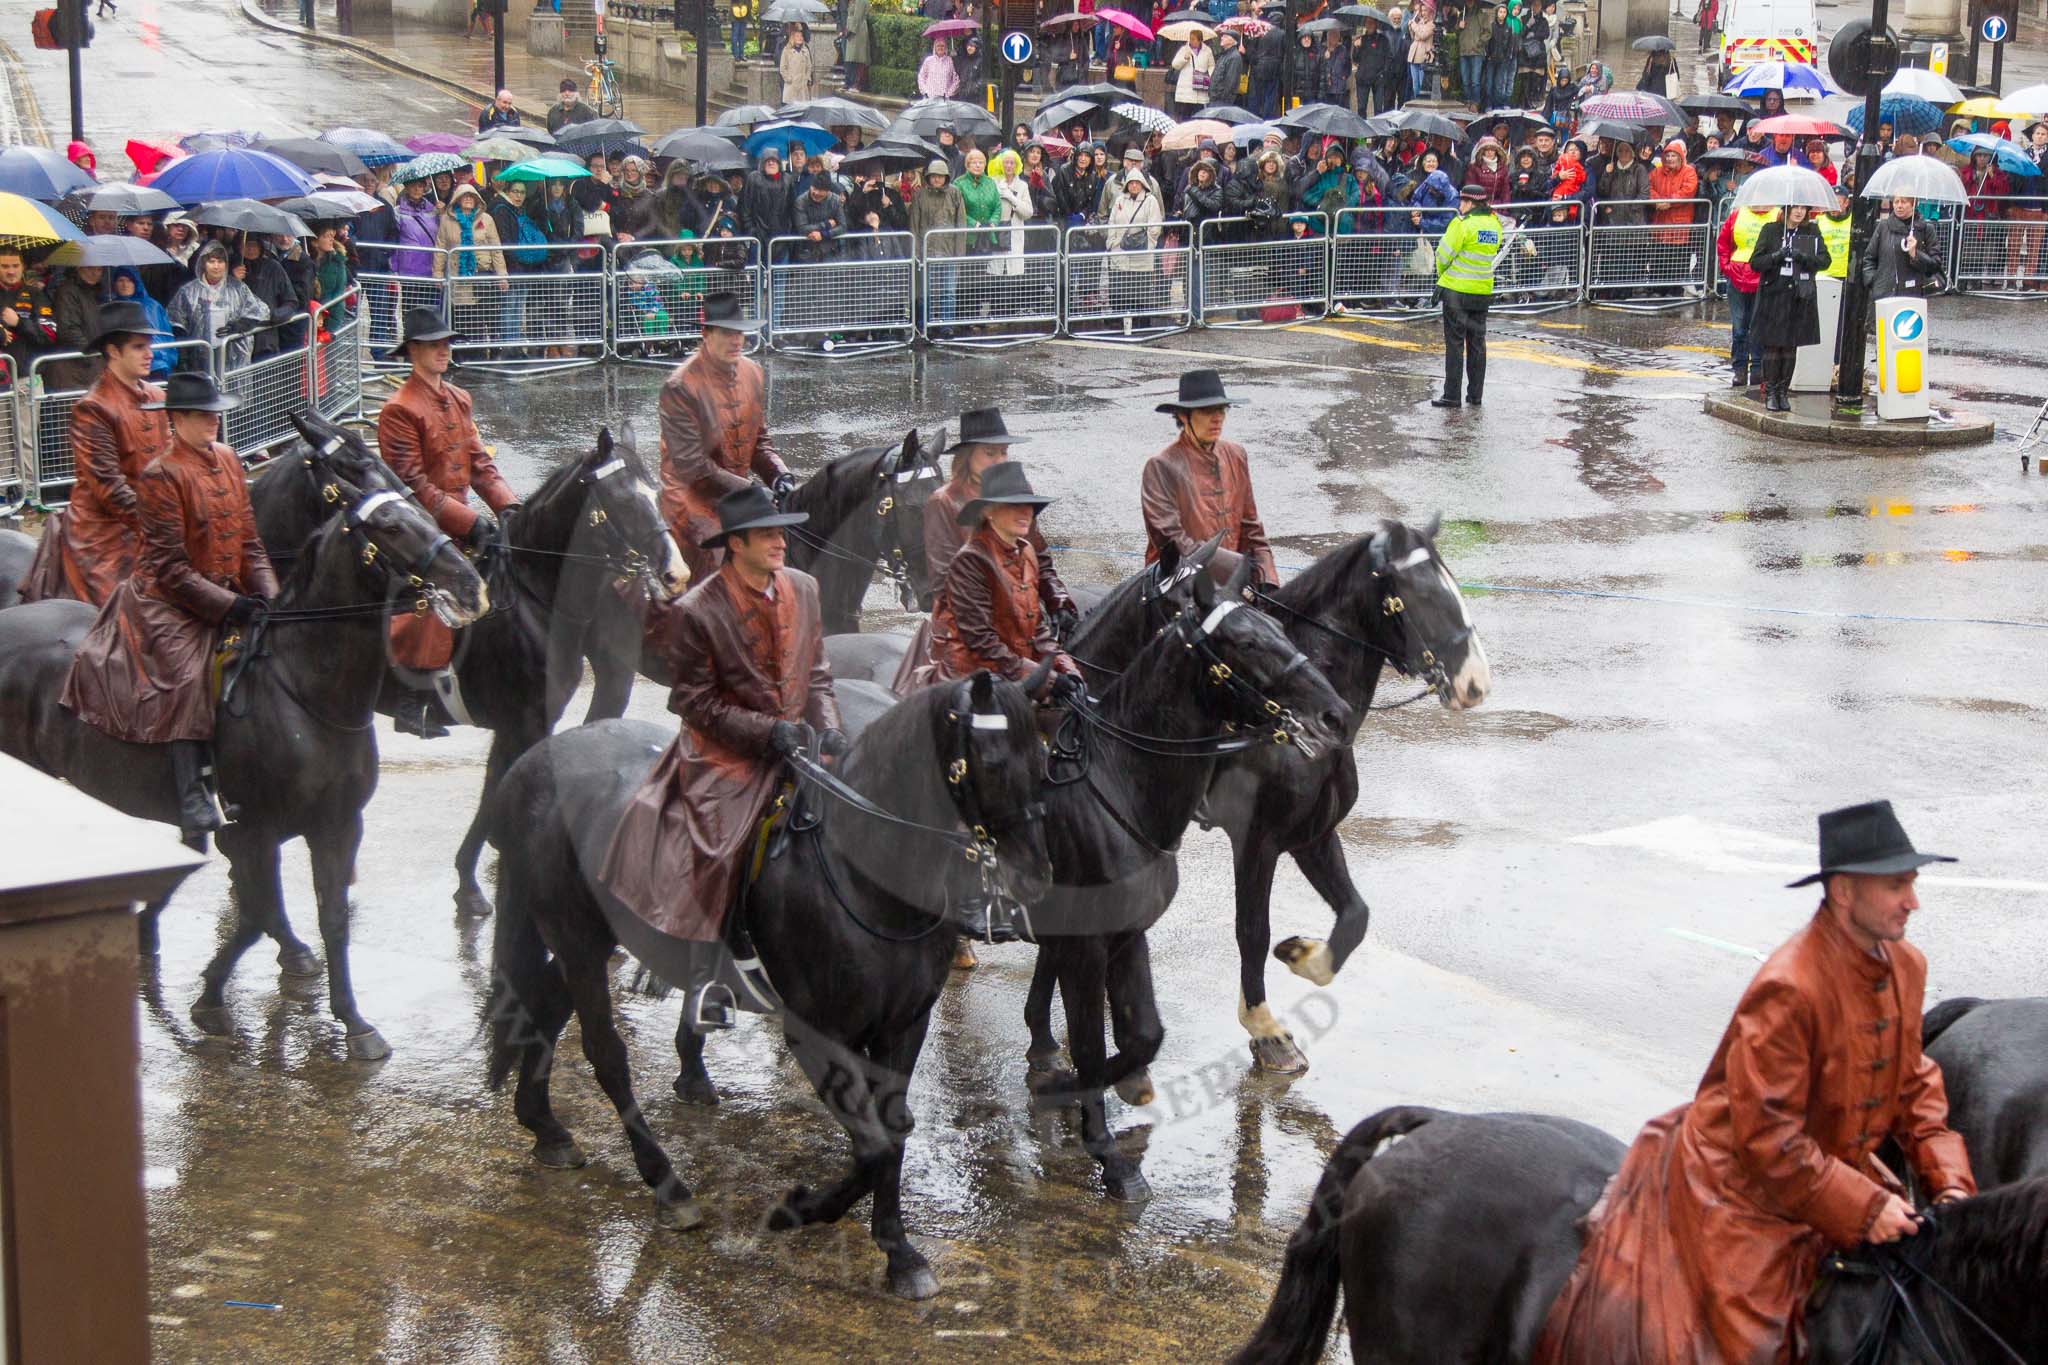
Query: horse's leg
{"points": [[541, 1031], [1082, 989], [583, 966], [508, 742], [1273, 1047], [693, 1083], [252, 868], [261, 894], [1322, 862], [1133, 1017], [334, 860], [1043, 1053], [910, 1274], [612, 673], [839, 1075]]}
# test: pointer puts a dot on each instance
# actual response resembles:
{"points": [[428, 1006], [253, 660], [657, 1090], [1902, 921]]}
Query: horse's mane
{"points": [[1995, 1245], [916, 723], [1333, 573], [824, 489], [297, 578]]}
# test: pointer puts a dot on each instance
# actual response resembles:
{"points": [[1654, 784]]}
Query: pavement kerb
{"points": [[1963, 429]]}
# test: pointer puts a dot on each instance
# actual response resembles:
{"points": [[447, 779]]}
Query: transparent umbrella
{"points": [[1927, 85], [1922, 177], [2031, 100], [1786, 186]]}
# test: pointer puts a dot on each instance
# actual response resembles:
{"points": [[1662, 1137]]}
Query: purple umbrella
{"points": [[231, 173], [439, 142], [949, 28]]}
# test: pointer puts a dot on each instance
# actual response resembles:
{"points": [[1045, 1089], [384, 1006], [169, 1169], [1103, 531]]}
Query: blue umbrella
{"points": [[40, 173], [231, 173], [1906, 114], [2008, 155], [1787, 76], [374, 148], [780, 135]]}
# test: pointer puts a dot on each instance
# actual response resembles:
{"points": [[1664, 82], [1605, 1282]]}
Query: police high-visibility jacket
{"points": [[1835, 232], [1464, 258], [1748, 223]]}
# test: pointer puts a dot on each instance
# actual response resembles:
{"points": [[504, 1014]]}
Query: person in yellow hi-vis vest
{"points": [[1734, 245], [1834, 230], [1464, 272]]}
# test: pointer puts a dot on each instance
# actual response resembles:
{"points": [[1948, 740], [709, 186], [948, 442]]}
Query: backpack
{"points": [[532, 252]]}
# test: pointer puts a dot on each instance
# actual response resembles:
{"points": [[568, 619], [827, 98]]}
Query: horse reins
{"points": [[1429, 666], [1898, 1270], [893, 562]]}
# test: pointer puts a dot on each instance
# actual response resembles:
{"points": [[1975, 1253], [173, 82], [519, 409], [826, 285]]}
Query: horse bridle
{"points": [[1900, 1272], [632, 564], [1426, 664], [893, 560]]}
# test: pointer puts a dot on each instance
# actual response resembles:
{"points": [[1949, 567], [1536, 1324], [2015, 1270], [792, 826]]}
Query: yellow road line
{"points": [[1563, 326], [1508, 350]]}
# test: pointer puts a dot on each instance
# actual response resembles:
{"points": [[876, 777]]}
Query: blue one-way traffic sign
{"points": [[1996, 29], [1016, 48]]}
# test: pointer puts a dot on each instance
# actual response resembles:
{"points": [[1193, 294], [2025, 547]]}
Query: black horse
{"points": [[850, 920], [17, 551], [1994, 1060], [293, 747], [1450, 1245], [867, 517], [591, 532]]}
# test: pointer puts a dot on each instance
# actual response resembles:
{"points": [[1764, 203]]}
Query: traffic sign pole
{"points": [[1015, 48]]}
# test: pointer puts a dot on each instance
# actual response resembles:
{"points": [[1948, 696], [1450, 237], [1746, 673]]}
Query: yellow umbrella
{"points": [[24, 222], [1983, 106]]}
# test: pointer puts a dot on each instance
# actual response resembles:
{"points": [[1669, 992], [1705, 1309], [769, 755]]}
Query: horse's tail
{"points": [[1937, 1020], [1297, 1322], [521, 978]]}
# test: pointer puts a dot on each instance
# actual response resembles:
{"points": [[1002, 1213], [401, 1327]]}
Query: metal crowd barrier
{"points": [[1005, 285], [1253, 281], [17, 477], [658, 289], [1542, 264], [1128, 284], [529, 310], [853, 296], [1382, 261], [2003, 256], [1649, 266], [388, 297], [271, 388], [334, 356]]}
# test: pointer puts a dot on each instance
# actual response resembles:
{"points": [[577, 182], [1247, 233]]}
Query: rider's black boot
{"points": [[415, 716], [197, 815]]}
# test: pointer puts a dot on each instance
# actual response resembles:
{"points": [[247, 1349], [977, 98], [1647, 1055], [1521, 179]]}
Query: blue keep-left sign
{"points": [[1906, 324], [1016, 48], [1996, 29]]}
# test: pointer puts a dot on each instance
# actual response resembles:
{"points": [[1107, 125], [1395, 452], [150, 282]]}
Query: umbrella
{"points": [[426, 166], [1100, 93], [1513, 118], [1634, 106], [2008, 155], [39, 173], [1905, 113], [794, 12], [130, 201], [327, 205], [498, 149], [1983, 106], [213, 139], [925, 117], [532, 137], [701, 147], [1144, 115], [1187, 16], [948, 28], [598, 135], [246, 215], [544, 168], [1607, 129], [1928, 85], [1334, 120], [1800, 125], [1714, 104], [833, 111], [778, 136], [1245, 25], [1228, 113], [885, 158], [1409, 120], [1361, 13], [1252, 134], [147, 155], [1655, 42], [1058, 148], [1069, 21], [1185, 136], [1325, 25], [1064, 112], [108, 251], [1185, 29], [311, 154], [231, 173], [1786, 76], [26, 223], [437, 142], [745, 114], [1921, 177], [1129, 23], [1775, 186], [375, 148], [1734, 156], [2028, 101]]}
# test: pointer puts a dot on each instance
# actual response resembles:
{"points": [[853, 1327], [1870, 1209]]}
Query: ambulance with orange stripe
{"points": [[1754, 31]]}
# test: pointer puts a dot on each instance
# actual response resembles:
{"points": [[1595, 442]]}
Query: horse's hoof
{"points": [[559, 1156], [368, 1046], [471, 901], [1040, 1064], [213, 1019], [678, 1215], [299, 962], [1278, 1055], [696, 1089], [1135, 1089], [914, 1282], [964, 959], [784, 1217], [1308, 958], [1132, 1188]]}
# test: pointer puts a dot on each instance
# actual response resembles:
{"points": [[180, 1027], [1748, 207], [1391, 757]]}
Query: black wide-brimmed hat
{"points": [[1002, 485], [1866, 839], [723, 310], [124, 316], [983, 427], [1198, 389], [193, 391], [420, 324], [750, 509]]}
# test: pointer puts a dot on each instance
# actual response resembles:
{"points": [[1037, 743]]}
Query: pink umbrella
{"points": [[1056, 147], [1126, 23], [1245, 24], [452, 143], [950, 28], [1185, 136]]}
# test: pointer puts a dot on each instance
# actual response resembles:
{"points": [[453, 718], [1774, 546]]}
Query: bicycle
{"points": [[607, 90]]}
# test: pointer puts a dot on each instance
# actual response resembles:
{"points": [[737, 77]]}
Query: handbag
{"points": [[598, 224], [1126, 72], [1532, 49], [1421, 260]]}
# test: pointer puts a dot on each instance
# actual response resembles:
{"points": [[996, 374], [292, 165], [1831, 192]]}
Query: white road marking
{"points": [[1727, 848], [1739, 949]]}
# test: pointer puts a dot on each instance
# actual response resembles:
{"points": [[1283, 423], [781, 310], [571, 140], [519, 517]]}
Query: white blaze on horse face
{"points": [[1474, 678], [675, 574]]}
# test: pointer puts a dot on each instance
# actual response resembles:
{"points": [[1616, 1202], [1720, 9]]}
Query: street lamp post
{"points": [[1881, 59], [498, 49]]}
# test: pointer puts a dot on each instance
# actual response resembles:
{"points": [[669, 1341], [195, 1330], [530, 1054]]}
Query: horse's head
{"points": [[334, 449], [1262, 681], [906, 482], [625, 509], [399, 551], [995, 770], [1425, 614]]}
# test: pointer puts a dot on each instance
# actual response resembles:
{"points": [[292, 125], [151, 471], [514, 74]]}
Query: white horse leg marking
{"points": [[1312, 962], [1258, 1022]]}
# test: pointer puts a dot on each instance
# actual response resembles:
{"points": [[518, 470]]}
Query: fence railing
{"points": [[658, 289], [1249, 279], [16, 477], [825, 299], [1128, 283], [1636, 260], [1001, 285], [1383, 259], [522, 309], [2003, 250]]}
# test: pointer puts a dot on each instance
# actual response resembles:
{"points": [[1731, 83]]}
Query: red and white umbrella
{"points": [[1245, 24], [1801, 125]]}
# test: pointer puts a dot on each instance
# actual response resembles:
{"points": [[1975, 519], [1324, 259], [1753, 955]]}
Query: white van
{"points": [[1754, 31]]}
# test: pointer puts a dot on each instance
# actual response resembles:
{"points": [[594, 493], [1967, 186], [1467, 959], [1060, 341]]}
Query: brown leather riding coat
{"points": [[989, 614], [1708, 1240], [112, 440], [714, 434], [429, 438], [1188, 494]]}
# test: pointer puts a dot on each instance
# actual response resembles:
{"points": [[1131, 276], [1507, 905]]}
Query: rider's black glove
{"points": [[1068, 687], [833, 743], [483, 535], [1065, 622], [783, 486], [786, 738], [244, 609]]}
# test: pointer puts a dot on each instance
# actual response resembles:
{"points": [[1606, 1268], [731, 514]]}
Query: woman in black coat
{"points": [[1789, 253], [1308, 70]]}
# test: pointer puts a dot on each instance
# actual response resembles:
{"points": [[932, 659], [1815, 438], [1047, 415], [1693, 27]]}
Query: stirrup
{"points": [[711, 1007], [998, 919]]}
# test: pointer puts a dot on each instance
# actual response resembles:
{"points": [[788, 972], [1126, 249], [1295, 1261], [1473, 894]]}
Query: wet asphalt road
{"points": [[1698, 640]]}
